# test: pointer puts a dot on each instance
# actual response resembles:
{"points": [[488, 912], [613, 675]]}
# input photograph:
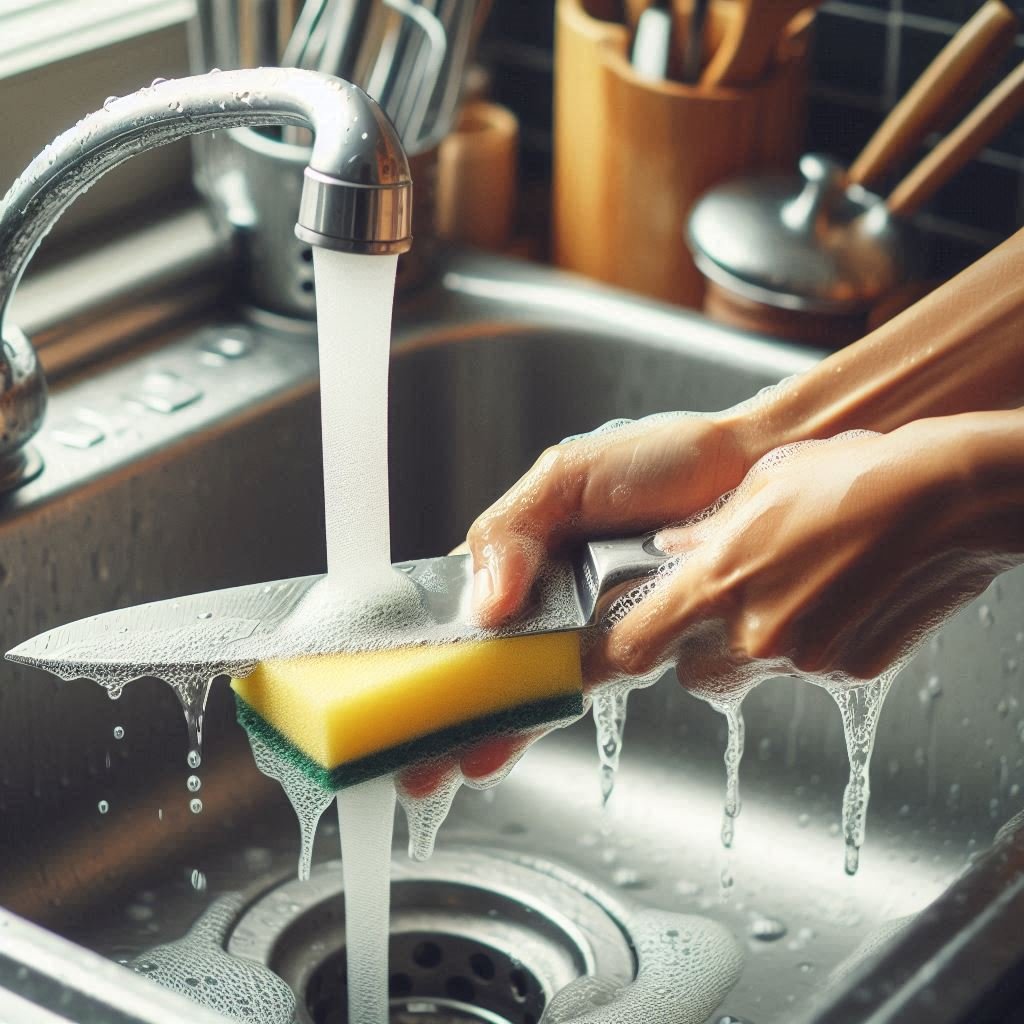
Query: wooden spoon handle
{"points": [[746, 52], [960, 68], [984, 123]]}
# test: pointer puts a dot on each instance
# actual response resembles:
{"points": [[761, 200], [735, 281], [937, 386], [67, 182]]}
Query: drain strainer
{"points": [[475, 936]]}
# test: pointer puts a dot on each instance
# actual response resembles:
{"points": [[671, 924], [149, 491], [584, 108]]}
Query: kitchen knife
{"points": [[227, 632]]}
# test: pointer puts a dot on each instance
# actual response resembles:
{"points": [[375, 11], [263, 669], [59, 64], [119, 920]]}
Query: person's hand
{"points": [[635, 477], [833, 559]]}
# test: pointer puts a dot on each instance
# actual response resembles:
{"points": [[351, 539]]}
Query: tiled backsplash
{"points": [[866, 54]]}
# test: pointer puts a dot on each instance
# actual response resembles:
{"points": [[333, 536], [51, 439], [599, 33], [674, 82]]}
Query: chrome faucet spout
{"points": [[357, 191]]}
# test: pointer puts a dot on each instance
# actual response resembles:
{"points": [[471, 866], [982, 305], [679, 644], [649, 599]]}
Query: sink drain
{"points": [[476, 936]]}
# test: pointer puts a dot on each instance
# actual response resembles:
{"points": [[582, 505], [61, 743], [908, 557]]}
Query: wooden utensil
{"points": [[994, 113], [693, 55], [746, 52], [796, 36], [960, 69], [632, 156]]}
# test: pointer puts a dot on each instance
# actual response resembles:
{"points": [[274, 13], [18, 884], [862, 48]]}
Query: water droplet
{"points": [[103, 807], [194, 783], [767, 929], [985, 616], [194, 759], [196, 805], [205, 615], [806, 967], [198, 880], [109, 101], [139, 912], [114, 692], [118, 732], [258, 859], [156, 82], [629, 878], [852, 860], [366, 135]]}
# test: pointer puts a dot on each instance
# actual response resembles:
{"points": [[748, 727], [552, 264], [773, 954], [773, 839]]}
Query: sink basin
{"points": [[491, 364]]}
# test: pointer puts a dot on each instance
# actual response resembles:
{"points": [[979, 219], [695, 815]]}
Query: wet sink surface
{"points": [[500, 362]]}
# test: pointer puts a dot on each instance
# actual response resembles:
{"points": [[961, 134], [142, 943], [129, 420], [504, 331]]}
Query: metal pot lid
{"points": [[808, 243]]}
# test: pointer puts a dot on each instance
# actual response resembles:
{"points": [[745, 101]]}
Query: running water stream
{"points": [[355, 295]]}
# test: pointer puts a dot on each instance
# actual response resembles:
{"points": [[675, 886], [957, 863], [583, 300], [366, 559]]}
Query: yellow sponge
{"points": [[345, 718]]}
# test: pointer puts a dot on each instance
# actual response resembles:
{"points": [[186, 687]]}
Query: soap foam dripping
{"points": [[198, 967], [426, 814], [307, 798], [193, 697], [860, 707], [859, 701], [610, 723], [686, 965], [733, 711]]}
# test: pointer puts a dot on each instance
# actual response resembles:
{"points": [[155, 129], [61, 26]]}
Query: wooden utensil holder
{"points": [[632, 155]]}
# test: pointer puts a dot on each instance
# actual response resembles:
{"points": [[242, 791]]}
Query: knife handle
{"points": [[624, 560]]}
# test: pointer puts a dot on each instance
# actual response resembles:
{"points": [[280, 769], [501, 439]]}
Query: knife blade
{"points": [[228, 632]]}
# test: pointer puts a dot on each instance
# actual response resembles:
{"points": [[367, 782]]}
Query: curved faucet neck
{"points": [[357, 192]]}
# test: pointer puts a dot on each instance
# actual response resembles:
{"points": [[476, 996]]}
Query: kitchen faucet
{"points": [[356, 195]]}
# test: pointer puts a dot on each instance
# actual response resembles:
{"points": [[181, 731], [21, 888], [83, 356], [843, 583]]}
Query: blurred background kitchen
{"points": [[825, 86], [865, 55]]}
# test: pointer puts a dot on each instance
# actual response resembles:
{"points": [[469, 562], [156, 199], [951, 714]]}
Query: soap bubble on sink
{"points": [[199, 968], [686, 965]]}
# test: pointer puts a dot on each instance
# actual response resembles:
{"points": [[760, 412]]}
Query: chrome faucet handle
{"points": [[22, 404], [357, 191]]}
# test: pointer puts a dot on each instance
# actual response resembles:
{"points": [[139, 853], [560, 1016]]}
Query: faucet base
{"points": [[19, 469]]}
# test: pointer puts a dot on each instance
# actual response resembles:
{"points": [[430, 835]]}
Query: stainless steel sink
{"points": [[491, 364]]}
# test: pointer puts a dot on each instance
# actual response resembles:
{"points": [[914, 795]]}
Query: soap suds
{"points": [[198, 967]]}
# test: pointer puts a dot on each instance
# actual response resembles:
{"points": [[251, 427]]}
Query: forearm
{"points": [[960, 349]]}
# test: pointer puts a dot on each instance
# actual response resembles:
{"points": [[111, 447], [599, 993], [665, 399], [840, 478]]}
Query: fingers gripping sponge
{"points": [[345, 718]]}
